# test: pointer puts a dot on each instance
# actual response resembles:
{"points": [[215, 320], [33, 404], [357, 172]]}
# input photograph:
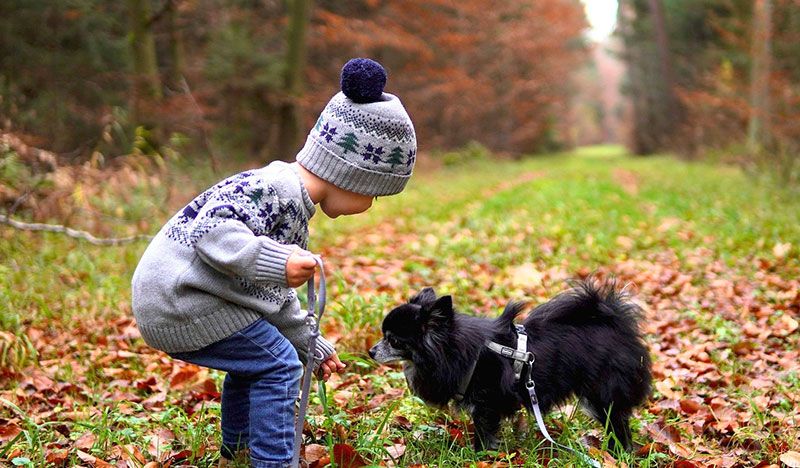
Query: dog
{"points": [[585, 342]]}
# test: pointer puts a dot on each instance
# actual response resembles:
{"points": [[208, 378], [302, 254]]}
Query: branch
{"points": [[201, 116], [74, 233], [34, 156], [168, 5]]}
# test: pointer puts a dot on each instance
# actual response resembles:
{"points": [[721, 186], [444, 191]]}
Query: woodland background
{"points": [[114, 114], [89, 79]]}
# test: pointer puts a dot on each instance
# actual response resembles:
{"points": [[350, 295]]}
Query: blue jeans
{"points": [[259, 393]]}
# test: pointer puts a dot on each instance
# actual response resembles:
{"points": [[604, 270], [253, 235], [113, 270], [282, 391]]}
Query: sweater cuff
{"points": [[271, 262], [324, 350]]}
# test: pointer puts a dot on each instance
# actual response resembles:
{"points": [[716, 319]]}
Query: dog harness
{"points": [[523, 363]]}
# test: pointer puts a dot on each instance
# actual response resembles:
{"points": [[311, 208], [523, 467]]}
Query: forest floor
{"points": [[712, 256]]}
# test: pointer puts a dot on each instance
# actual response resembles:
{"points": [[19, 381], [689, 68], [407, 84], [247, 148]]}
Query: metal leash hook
{"points": [[313, 324]]}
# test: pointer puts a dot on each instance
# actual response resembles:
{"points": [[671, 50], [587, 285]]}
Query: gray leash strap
{"points": [[522, 357], [537, 412], [305, 387]]}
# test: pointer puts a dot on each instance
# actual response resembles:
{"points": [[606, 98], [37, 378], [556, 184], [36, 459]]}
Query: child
{"points": [[214, 287]]}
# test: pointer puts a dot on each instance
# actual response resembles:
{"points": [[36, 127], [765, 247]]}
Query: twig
{"points": [[201, 116], [168, 5], [74, 233]]}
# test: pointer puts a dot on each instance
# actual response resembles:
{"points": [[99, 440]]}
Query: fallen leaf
{"points": [[396, 451], [781, 249], [785, 325], [8, 431], [85, 441], [791, 459], [315, 452], [346, 456]]}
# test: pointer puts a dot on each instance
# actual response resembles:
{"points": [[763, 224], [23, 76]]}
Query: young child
{"points": [[215, 286]]}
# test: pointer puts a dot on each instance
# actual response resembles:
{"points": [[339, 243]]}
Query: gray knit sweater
{"points": [[220, 264]]}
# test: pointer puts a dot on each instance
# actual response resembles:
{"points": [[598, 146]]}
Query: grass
{"points": [[705, 246]]}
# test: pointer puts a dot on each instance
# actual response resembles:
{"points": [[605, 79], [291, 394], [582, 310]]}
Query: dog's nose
{"points": [[372, 352]]}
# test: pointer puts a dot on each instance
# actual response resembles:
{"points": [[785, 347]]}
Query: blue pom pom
{"points": [[363, 80]]}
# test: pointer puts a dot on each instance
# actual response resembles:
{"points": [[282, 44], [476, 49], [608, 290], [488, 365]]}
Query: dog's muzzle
{"points": [[384, 353]]}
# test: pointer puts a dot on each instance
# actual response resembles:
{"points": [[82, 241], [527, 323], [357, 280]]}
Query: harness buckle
{"points": [[529, 358]]}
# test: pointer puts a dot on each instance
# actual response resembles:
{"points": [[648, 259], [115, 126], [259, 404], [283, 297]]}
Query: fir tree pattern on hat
{"points": [[364, 140]]}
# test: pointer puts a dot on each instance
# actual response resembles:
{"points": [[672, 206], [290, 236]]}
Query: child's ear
{"points": [[425, 298]]}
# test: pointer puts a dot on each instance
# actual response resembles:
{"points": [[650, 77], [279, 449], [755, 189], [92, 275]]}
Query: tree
{"points": [[758, 128], [289, 122], [146, 80], [651, 85]]}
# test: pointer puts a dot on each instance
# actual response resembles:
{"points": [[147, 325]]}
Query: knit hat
{"points": [[364, 140]]}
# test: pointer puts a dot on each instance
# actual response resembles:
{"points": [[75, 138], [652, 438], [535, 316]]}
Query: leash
{"points": [[313, 324], [524, 359]]}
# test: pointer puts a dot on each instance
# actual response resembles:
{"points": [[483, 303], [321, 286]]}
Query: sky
{"points": [[602, 16]]}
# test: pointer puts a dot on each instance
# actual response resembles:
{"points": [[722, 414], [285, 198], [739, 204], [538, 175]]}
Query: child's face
{"points": [[340, 202]]}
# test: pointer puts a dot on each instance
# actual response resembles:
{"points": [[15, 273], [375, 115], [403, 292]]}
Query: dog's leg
{"points": [[618, 423], [487, 426], [621, 427]]}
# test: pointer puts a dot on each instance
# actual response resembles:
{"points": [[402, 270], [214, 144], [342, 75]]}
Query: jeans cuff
{"points": [[256, 463]]}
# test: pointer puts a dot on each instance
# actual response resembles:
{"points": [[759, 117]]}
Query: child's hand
{"points": [[299, 267], [329, 366]]}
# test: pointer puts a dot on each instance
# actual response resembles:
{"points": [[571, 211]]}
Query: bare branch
{"points": [[201, 116], [74, 233]]}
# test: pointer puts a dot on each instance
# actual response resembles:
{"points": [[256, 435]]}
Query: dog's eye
{"points": [[393, 342]]}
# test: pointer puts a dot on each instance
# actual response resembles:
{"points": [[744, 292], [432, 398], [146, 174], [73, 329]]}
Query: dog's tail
{"points": [[506, 320], [591, 301]]}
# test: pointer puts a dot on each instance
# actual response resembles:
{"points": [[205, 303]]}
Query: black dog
{"points": [[586, 342]]}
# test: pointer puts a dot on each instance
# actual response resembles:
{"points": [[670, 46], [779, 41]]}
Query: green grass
{"points": [[485, 231]]}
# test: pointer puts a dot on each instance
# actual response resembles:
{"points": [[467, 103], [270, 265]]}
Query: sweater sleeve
{"points": [[233, 249], [223, 239]]}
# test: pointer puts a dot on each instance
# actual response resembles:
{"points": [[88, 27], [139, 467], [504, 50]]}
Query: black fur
{"points": [[586, 342]]}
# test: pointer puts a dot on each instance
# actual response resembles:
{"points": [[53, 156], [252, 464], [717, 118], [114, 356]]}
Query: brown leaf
{"points": [[185, 374], [346, 456], [690, 406], [92, 460], [8, 431], [785, 326], [86, 441], [662, 433], [314, 452], [160, 442], [56, 457]]}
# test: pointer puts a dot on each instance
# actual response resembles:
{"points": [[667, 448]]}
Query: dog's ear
{"points": [[441, 311], [424, 298]]}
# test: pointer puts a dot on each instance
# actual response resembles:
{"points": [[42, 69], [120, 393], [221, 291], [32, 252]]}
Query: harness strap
{"points": [[522, 345], [521, 357], [509, 352], [462, 387], [319, 307]]}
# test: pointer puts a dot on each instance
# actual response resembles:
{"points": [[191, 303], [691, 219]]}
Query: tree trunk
{"points": [[289, 119], [146, 82], [667, 114], [758, 128], [176, 49]]}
